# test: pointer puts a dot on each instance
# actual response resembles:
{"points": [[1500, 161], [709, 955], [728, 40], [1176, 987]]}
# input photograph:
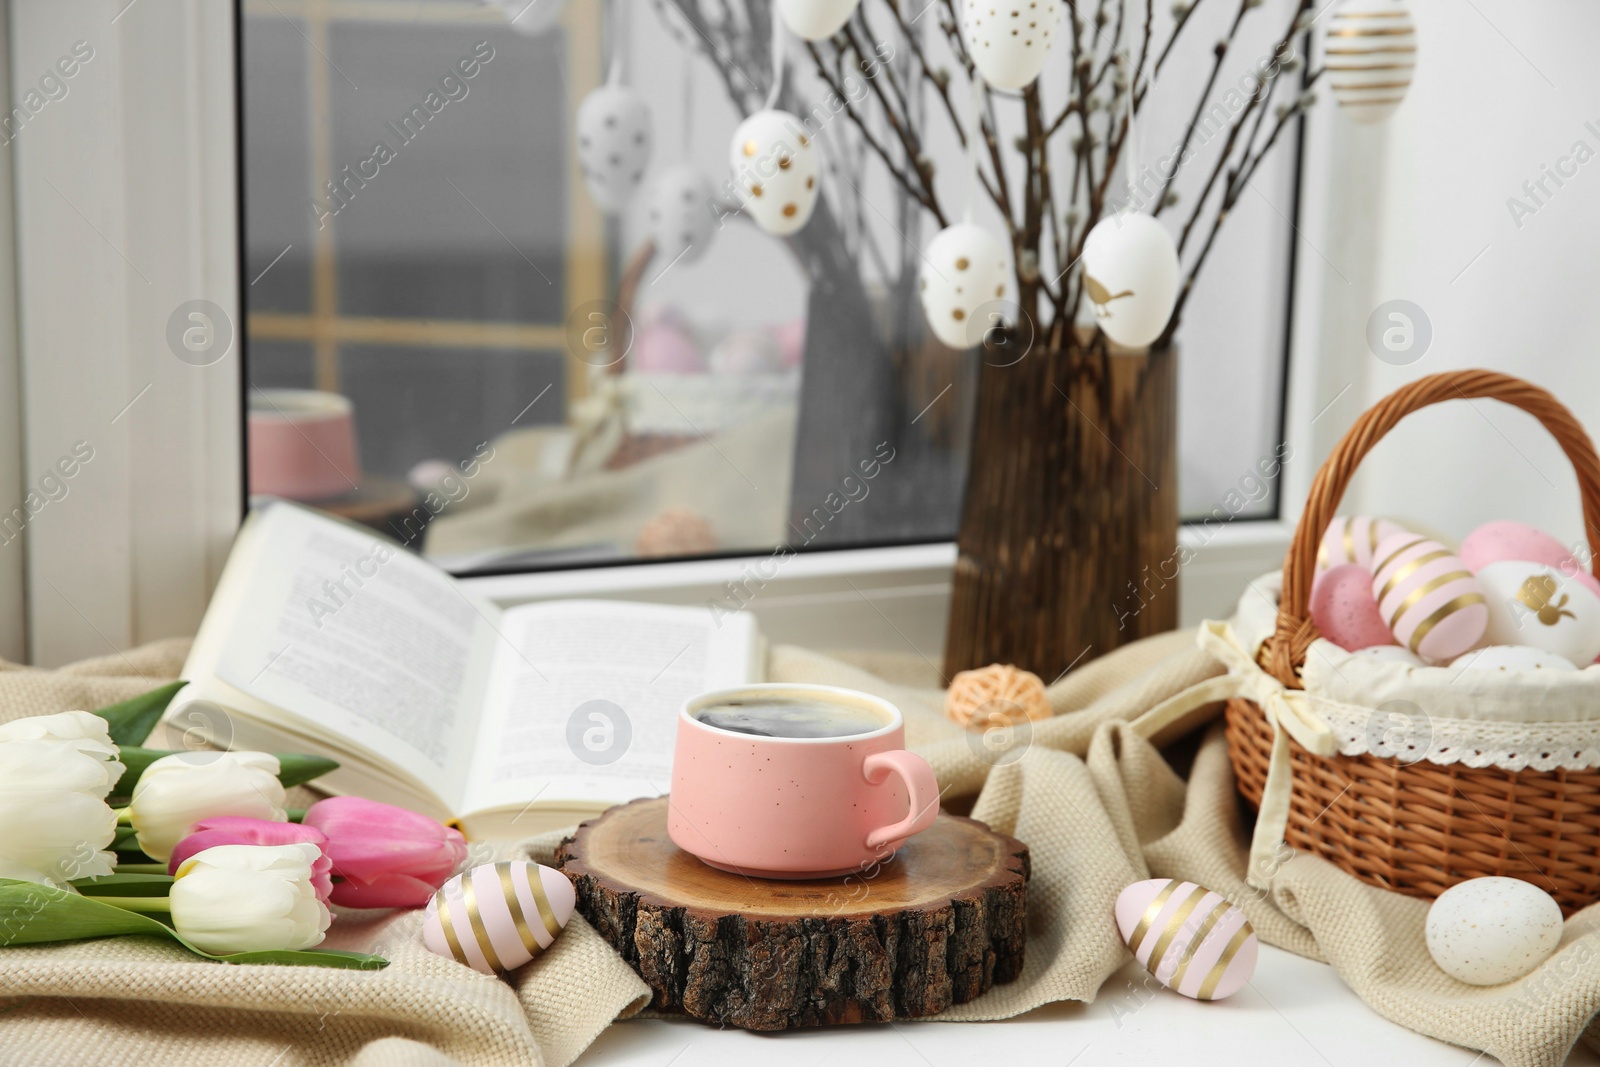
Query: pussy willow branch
{"points": [[1221, 52]]}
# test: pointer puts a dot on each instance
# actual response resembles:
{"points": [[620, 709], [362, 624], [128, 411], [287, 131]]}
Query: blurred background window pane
{"points": [[528, 380]]}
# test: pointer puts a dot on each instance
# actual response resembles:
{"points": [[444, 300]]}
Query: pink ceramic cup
{"points": [[797, 807]]}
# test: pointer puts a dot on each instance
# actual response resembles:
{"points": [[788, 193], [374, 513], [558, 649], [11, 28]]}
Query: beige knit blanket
{"points": [[1098, 805]]}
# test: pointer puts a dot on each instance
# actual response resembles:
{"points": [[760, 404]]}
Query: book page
{"points": [[583, 698], [345, 630]]}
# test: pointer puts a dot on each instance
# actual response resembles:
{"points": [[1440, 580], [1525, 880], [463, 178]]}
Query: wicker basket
{"points": [[1420, 828]]}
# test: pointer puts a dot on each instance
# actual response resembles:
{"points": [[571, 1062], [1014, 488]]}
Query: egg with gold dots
{"points": [[681, 222], [1370, 55], [498, 916], [774, 162], [614, 142], [963, 268], [1130, 277], [1009, 40], [816, 20]]}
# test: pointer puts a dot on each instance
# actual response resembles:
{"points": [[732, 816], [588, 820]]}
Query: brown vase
{"points": [[1068, 545]]}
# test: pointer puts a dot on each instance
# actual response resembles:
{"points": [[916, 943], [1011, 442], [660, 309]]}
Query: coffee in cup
{"points": [[779, 716]]}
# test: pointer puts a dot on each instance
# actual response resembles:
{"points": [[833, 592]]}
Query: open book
{"points": [[325, 637]]}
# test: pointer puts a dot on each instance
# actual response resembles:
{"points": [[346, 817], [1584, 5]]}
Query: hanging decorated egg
{"points": [[816, 20], [681, 224], [1130, 276], [532, 18], [1427, 597], [963, 269], [1190, 939], [1512, 658], [1486, 931], [1371, 52], [614, 142], [1353, 539], [1343, 609], [774, 163], [1537, 605], [1009, 41], [498, 916]]}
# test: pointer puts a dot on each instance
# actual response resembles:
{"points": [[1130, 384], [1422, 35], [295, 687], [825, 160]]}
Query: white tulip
{"points": [[54, 821], [179, 790], [88, 734], [249, 898]]}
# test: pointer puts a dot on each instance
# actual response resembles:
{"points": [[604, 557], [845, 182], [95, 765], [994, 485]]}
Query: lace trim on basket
{"points": [[1409, 735]]}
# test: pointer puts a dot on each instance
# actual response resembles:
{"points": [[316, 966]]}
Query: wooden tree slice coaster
{"points": [[936, 923]]}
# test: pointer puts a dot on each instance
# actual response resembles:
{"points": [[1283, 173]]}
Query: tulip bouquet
{"points": [[101, 837]]}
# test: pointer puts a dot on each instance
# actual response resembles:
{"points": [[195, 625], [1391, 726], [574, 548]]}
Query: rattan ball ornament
{"points": [[996, 692], [676, 531], [1371, 54], [1130, 277]]}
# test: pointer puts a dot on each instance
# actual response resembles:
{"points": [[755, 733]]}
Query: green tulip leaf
{"points": [[131, 721], [126, 885], [33, 914], [294, 768]]}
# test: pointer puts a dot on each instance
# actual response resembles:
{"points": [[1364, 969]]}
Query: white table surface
{"points": [[1293, 1012]]}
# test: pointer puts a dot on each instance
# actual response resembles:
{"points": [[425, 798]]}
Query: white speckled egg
{"points": [[1427, 597], [1009, 41], [816, 20], [614, 141], [1392, 654], [964, 268], [1190, 939], [1130, 277], [1372, 52], [1537, 605], [774, 162], [1353, 539], [681, 223], [1512, 658], [498, 916], [1486, 931]]}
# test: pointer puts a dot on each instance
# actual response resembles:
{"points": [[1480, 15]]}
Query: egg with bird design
{"points": [[614, 143], [1009, 42], [1130, 277], [963, 269], [816, 20], [774, 162], [498, 916], [1537, 605]]}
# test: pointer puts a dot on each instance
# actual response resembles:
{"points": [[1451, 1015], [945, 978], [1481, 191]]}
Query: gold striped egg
{"points": [[498, 916], [1370, 55], [1191, 939], [1427, 597], [1352, 539]]}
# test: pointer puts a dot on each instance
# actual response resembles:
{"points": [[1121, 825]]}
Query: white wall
{"points": [[1417, 210]]}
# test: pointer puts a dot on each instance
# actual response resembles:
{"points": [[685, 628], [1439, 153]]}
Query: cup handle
{"points": [[920, 784]]}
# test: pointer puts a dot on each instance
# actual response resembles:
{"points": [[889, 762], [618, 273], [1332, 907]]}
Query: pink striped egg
{"points": [[1353, 539], [498, 916], [1427, 597], [1343, 609], [1190, 939]]}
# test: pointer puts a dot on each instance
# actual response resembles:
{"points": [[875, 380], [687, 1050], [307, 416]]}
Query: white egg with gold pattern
{"points": [[1130, 277], [681, 222], [614, 141], [1539, 606], [1009, 39], [774, 162], [816, 20], [1370, 56], [963, 269]]}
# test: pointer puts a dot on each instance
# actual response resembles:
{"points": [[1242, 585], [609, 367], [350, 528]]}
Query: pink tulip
{"points": [[238, 830], [386, 857]]}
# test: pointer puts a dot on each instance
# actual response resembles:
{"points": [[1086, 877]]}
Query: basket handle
{"points": [[1284, 653]]}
